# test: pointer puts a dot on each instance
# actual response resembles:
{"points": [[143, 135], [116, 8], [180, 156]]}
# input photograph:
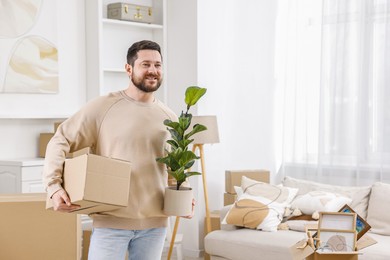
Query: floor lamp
{"points": [[210, 136]]}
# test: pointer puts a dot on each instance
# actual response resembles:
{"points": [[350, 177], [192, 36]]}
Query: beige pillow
{"points": [[378, 209], [359, 195], [261, 206]]}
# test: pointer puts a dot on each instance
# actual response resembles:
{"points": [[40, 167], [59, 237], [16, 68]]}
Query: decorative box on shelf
{"points": [[21, 175], [130, 12]]}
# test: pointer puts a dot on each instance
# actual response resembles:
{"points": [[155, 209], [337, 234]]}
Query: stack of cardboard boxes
{"points": [[29, 231], [233, 178]]}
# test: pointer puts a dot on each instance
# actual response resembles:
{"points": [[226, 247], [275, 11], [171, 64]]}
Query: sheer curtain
{"points": [[333, 90]]}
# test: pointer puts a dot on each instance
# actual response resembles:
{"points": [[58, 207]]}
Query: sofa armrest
{"points": [[222, 215]]}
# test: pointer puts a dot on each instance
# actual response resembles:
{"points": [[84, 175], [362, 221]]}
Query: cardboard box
{"points": [[215, 221], [333, 256], [86, 150], [44, 139], [229, 199], [215, 225], [29, 232], [96, 183], [303, 251], [233, 178], [56, 125]]}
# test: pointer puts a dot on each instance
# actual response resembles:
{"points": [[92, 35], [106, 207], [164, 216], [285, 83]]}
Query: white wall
{"points": [[223, 45], [231, 43], [19, 137], [236, 59]]}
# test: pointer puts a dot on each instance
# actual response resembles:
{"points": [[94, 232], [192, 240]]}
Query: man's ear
{"points": [[129, 69]]}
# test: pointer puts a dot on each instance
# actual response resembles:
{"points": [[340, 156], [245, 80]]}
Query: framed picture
{"points": [[336, 241], [337, 220], [361, 225]]}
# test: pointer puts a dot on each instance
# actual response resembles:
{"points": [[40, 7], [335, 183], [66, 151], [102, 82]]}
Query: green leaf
{"points": [[173, 143], [193, 94], [189, 174], [196, 129]]}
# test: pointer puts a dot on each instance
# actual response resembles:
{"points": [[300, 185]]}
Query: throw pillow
{"points": [[359, 195], [378, 209], [319, 201], [261, 205], [300, 225], [280, 193]]}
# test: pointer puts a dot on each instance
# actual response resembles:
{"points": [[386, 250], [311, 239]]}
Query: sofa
{"points": [[238, 241]]}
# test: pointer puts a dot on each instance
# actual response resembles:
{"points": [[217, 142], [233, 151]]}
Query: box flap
{"points": [[365, 241], [301, 250]]}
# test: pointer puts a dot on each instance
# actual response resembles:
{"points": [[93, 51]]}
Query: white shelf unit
{"points": [[107, 42]]}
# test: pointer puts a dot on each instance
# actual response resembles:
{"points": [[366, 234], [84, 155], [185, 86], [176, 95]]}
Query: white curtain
{"points": [[333, 90]]}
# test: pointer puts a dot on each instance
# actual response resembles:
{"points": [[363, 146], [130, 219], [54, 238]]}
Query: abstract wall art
{"points": [[28, 51]]}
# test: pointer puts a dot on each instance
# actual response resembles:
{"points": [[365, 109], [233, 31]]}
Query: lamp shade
{"points": [[210, 136]]}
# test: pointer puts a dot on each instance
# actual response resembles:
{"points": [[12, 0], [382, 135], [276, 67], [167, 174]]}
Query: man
{"points": [[126, 125]]}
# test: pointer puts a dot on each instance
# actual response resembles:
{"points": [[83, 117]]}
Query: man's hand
{"points": [[193, 211], [61, 202]]}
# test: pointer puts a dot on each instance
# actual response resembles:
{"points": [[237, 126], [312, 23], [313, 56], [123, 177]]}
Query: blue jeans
{"points": [[112, 244]]}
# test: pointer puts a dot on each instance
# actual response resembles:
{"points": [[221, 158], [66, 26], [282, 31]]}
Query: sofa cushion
{"points": [[378, 209], [261, 206], [359, 195], [251, 244], [319, 201]]}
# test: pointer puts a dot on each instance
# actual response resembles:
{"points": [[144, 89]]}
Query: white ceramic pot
{"points": [[178, 202]]}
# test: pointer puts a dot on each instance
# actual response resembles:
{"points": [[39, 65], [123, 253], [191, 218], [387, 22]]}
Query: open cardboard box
{"points": [[303, 250], [96, 183]]}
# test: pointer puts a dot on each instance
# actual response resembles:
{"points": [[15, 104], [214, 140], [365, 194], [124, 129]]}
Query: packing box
{"points": [[29, 232], [96, 183], [233, 178], [130, 12], [300, 252], [214, 220], [44, 139], [229, 198]]}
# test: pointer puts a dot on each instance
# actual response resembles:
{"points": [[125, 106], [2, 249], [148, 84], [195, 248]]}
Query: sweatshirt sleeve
{"points": [[77, 132]]}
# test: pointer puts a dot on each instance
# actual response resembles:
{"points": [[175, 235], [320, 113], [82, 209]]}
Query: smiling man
{"points": [[126, 125]]}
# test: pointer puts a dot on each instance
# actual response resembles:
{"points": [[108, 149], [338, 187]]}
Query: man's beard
{"points": [[140, 84]]}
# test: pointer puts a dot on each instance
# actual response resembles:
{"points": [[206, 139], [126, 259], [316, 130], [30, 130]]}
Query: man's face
{"points": [[147, 71]]}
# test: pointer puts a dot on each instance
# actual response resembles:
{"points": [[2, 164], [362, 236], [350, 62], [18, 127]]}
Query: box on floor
{"points": [[30, 232]]}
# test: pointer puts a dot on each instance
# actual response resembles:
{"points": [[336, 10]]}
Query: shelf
{"points": [[115, 70], [131, 24]]}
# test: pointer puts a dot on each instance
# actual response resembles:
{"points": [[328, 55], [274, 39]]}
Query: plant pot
{"points": [[178, 202]]}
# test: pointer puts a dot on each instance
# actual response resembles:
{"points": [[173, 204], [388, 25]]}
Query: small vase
{"points": [[178, 202]]}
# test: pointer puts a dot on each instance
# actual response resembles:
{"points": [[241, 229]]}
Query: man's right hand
{"points": [[61, 202]]}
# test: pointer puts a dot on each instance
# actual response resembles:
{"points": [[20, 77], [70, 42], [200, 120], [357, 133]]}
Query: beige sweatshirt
{"points": [[118, 127]]}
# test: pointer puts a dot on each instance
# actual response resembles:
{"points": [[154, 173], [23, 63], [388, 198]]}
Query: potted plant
{"points": [[179, 158]]}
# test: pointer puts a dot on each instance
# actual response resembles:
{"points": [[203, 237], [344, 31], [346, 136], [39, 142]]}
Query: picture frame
{"points": [[332, 241], [336, 232], [337, 220], [361, 225]]}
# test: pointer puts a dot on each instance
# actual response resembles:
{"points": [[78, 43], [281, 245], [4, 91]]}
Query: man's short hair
{"points": [[132, 53]]}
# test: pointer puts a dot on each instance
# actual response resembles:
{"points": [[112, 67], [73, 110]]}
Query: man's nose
{"points": [[152, 68]]}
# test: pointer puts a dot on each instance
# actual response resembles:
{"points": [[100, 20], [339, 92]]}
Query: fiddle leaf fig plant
{"points": [[179, 159]]}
